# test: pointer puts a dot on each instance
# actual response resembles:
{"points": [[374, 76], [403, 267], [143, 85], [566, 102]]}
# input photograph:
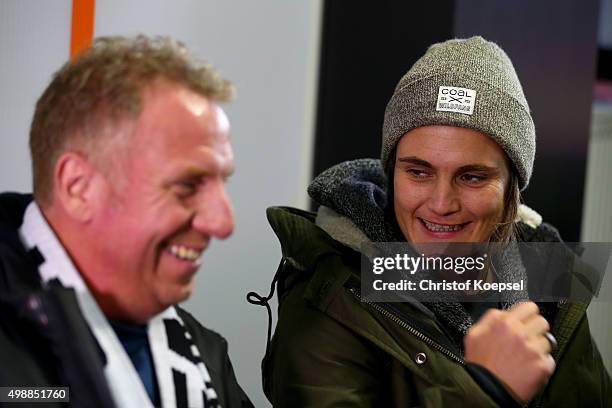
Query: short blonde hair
{"points": [[103, 87]]}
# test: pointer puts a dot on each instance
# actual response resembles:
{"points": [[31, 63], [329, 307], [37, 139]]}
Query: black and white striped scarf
{"points": [[182, 376]]}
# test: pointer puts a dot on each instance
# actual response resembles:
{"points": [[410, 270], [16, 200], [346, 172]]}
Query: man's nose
{"points": [[444, 199], [214, 213]]}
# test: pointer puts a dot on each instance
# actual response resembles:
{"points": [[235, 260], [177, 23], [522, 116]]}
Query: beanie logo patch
{"points": [[453, 99]]}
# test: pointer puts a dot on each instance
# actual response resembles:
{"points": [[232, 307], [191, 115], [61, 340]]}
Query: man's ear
{"points": [[77, 186]]}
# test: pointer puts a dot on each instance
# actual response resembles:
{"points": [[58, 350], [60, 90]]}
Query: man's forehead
{"points": [[201, 106], [169, 106], [180, 129], [161, 94]]}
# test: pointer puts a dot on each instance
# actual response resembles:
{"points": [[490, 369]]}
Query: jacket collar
{"points": [[302, 242]]}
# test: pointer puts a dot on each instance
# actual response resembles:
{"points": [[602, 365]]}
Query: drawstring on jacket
{"points": [[255, 298]]}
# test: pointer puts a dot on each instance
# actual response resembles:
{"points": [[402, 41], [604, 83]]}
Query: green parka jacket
{"points": [[330, 349]]}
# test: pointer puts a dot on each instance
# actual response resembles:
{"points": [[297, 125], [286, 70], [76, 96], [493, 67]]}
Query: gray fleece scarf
{"points": [[355, 193]]}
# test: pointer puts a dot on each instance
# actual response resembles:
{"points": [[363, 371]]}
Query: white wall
{"points": [[268, 48], [34, 42], [604, 33], [597, 220]]}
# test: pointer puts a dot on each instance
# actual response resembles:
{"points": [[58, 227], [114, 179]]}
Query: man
{"points": [[130, 152]]}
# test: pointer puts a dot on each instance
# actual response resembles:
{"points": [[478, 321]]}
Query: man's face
{"points": [[449, 185], [157, 221]]}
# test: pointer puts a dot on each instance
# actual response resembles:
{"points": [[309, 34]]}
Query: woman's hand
{"points": [[512, 345]]}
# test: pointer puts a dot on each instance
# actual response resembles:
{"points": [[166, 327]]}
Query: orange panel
{"points": [[82, 25]]}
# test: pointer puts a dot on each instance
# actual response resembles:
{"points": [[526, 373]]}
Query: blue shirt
{"points": [[135, 341]]}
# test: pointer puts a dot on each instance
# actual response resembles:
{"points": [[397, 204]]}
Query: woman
{"points": [[458, 146]]}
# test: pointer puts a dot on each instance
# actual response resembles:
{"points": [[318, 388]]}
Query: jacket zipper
{"points": [[409, 328]]}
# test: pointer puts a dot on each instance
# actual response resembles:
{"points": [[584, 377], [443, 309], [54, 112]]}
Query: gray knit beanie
{"points": [[469, 83]]}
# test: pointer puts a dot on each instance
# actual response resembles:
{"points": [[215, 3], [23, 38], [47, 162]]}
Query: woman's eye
{"points": [[473, 178], [418, 173]]}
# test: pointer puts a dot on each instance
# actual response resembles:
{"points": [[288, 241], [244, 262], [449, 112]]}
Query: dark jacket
{"points": [[330, 349], [45, 341]]}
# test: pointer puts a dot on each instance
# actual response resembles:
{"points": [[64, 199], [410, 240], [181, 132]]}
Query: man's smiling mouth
{"points": [[185, 253], [434, 227]]}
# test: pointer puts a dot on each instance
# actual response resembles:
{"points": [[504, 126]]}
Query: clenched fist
{"points": [[512, 345]]}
